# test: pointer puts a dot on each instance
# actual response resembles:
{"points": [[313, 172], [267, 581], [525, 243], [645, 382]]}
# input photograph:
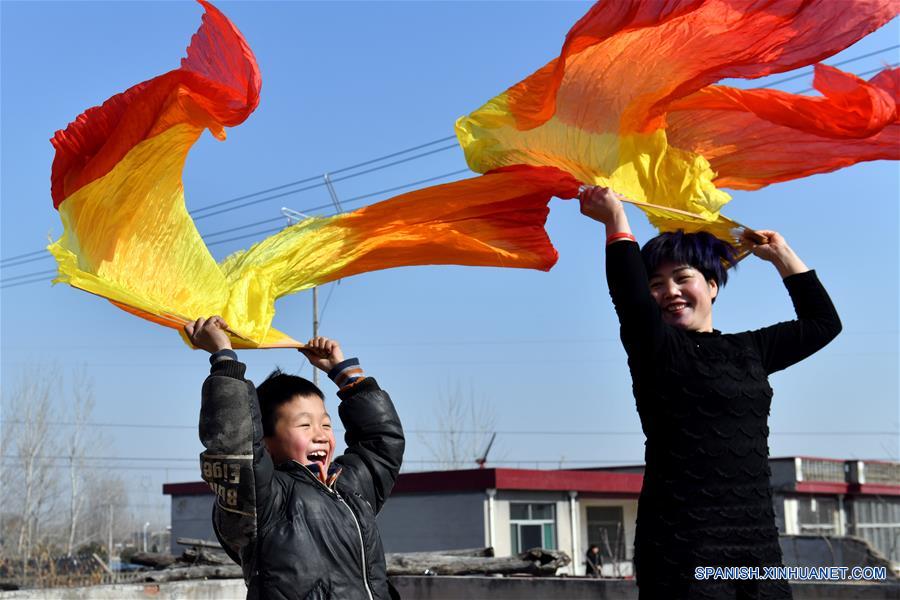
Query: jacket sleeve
{"points": [[374, 438], [235, 463], [817, 323], [641, 327]]}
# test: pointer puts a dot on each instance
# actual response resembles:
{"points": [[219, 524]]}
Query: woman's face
{"points": [[684, 296]]}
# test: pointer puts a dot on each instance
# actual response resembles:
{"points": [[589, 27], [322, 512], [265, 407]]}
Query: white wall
{"points": [[629, 516]]}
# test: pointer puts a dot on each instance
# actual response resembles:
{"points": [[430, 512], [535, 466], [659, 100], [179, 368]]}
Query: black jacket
{"points": [[293, 536]]}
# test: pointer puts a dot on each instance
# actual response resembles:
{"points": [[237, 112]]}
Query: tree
{"points": [[27, 445], [82, 407], [461, 428]]}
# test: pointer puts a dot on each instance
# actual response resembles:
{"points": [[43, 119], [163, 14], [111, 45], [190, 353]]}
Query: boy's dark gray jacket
{"points": [[293, 536]]}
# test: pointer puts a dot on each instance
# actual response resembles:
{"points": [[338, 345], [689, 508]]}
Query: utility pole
{"points": [[294, 216], [109, 543]]}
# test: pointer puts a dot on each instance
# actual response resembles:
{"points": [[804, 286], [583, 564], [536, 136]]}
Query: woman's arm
{"points": [[639, 316], [817, 322]]}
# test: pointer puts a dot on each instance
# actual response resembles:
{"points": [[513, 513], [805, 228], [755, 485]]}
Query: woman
{"points": [[703, 398]]}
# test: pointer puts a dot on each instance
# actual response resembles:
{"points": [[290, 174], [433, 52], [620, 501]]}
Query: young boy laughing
{"points": [[300, 522]]}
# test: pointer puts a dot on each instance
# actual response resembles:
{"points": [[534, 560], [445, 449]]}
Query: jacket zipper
{"points": [[362, 544]]}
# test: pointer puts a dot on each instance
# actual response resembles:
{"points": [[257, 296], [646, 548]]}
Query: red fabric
{"points": [[199, 92]]}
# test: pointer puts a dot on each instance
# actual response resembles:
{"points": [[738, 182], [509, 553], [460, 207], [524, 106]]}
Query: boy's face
{"points": [[302, 433]]}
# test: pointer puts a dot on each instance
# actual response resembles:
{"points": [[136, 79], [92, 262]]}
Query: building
{"points": [[825, 496], [513, 510], [516, 509]]}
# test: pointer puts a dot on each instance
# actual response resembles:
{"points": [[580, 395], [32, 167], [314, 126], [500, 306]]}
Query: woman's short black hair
{"points": [[702, 251], [277, 389]]}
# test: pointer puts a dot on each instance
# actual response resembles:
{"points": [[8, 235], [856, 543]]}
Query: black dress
{"points": [[703, 399]]}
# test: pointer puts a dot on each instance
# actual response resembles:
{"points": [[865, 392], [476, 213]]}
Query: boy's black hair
{"points": [[278, 388], [702, 251]]}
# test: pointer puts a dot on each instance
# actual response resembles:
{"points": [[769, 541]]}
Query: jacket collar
{"points": [[327, 479]]}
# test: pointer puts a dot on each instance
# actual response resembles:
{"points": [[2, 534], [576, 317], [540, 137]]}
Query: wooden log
{"points": [[102, 564], [152, 559], [184, 541], [459, 552], [533, 562], [184, 573], [205, 556]]}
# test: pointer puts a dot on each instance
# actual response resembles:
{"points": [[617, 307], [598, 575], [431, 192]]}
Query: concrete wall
{"points": [[443, 588], [191, 517], [420, 522]]}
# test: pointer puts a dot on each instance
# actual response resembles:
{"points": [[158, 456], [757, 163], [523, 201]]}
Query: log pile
{"points": [[206, 560], [201, 560], [537, 561]]}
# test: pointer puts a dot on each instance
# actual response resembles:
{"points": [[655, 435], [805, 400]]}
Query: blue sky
{"points": [[344, 83]]}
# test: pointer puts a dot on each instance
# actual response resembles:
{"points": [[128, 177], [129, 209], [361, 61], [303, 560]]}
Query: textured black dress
{"points": [[703, 399]]}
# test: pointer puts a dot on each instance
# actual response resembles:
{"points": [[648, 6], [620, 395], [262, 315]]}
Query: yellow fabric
{"points": [[629, 103]]}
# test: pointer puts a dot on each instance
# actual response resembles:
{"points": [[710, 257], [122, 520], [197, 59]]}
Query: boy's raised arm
{"points": [[235, 463], [374, 435]]}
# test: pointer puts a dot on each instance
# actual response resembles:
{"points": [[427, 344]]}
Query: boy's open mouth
{"points": [[317, 456]]}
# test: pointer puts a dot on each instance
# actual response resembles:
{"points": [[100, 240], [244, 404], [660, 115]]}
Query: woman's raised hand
{"points": [[779, 253], [604, 205], [601, 204]]}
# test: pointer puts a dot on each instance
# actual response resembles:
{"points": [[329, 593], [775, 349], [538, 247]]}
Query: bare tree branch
{"points": [[466, 425]]}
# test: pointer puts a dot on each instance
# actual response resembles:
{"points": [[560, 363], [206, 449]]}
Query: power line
{"points": [[17, 277], [317, 185], [18, 256], [41, 275], [597, 432], [316, 177], [45, 256], [327, 300], [837, 64], [489, 342], [869, 72], [239, 227], [42, 278], [38, 254], [310, 209], [559, 461], [13, 261]]}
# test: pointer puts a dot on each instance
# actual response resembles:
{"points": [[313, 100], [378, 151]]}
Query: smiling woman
{"points": [[704, 400], [686, 272]]}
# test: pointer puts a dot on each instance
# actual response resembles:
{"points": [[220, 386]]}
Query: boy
{"points": [[299, 524]]}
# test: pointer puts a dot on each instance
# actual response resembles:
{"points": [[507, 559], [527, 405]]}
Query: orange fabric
{"points": [[116, 181], [753, 138], [629, 104]]}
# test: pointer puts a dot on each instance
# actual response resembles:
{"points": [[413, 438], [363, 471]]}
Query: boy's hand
{"points": [[209, 334], [323, 353]]}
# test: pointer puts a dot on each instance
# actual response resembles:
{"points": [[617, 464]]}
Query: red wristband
{"points": [[619, 236]]}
